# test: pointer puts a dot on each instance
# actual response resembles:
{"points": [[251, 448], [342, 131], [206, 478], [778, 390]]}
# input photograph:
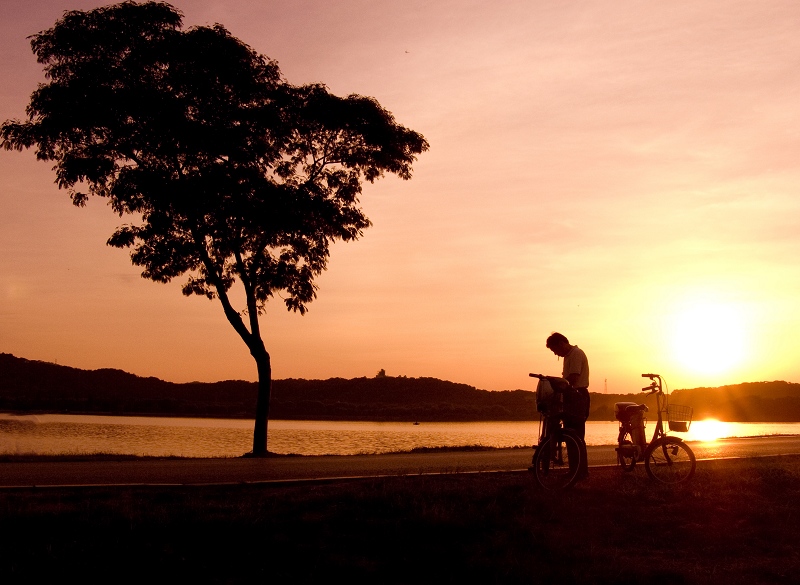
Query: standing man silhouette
{"points": [[576, 372]]}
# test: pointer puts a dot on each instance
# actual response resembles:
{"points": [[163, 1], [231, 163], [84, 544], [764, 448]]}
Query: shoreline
{"points": [[121, 471], [417, 451]]}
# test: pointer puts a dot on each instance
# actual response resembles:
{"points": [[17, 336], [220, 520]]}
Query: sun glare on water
{"points": [[708, 430], [709, 338]]}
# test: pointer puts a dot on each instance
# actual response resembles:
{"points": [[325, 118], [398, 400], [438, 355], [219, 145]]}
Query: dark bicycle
{"points": [[667, 459], [557, 458]]}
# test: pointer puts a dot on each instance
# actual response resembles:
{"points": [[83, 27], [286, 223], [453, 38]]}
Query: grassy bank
{"points": [[734, 523]]}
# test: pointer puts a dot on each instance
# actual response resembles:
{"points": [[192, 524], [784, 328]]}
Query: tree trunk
{"points": [[262, 405]]}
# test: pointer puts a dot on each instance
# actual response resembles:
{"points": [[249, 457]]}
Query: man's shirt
{"points": [[575, 362]]}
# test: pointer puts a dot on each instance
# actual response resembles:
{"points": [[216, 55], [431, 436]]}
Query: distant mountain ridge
{"points": [[36, 386], [776, 401]]}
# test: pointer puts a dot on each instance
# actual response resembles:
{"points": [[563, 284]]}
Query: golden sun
{"points": [[709, 338]]}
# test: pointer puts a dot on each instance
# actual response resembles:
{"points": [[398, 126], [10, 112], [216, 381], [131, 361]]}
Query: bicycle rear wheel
{"points": [[557, 461], [669, 460]]}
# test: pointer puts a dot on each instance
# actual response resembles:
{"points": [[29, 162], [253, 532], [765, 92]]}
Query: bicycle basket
{"points": [[679, 417]]}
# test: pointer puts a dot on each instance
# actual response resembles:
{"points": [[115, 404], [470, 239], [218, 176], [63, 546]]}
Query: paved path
{"points": [[276, 469]]}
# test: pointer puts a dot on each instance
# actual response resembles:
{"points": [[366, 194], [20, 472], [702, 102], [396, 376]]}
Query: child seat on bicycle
{"points": [[631, 418], [623, 411]]}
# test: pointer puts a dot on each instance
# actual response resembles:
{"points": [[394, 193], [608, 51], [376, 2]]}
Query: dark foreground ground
{"points": [[736, 522]]}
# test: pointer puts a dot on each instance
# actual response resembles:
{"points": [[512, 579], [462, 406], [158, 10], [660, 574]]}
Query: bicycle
{"points": [[557, 457], [667, 459]]}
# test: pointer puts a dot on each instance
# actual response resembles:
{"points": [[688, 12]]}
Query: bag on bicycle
{"points": [[550, 394]]}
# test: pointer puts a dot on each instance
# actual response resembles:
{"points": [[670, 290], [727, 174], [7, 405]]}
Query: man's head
{"points": [[558, 344]]}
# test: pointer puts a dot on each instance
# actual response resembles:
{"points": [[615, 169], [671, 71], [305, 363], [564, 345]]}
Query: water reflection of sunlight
{"points": [[708, 430]]}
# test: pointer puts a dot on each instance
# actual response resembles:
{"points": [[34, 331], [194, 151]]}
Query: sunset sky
{"points": [[624, 172]]}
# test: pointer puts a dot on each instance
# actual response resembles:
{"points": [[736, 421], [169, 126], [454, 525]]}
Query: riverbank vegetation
{"points": [[34, 386], [734, 523]]}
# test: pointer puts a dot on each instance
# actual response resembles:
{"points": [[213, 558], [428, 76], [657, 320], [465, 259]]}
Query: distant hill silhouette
{"points": [[35, 386], [747, 402]]}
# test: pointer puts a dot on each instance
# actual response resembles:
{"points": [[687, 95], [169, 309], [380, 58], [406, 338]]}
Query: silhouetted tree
{"points": [[229, 172]]}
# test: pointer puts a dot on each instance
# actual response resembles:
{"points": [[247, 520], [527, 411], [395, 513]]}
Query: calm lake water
{"points": [[55, 434]]}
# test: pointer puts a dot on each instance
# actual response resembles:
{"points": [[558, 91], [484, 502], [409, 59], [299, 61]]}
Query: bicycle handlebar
{"points": [[655, 383], [544, 377], [653, 387]]}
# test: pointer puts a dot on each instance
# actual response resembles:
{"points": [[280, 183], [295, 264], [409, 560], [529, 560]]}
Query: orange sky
{"points": [[624, 172]]}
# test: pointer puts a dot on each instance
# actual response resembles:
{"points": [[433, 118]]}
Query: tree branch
{"points": [[231, 313], [250, 294]]}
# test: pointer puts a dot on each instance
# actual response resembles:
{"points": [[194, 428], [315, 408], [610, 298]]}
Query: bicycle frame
{"points": [[656, 388], [557, 458], [667, 458], [549, 425], [549, 420], [626, 427]]}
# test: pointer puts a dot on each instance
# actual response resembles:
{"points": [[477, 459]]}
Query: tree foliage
{"points": [[236, 173], [228, 172]]}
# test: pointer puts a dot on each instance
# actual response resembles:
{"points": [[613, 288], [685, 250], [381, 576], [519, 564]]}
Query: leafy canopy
{"points": [[231, 172]]}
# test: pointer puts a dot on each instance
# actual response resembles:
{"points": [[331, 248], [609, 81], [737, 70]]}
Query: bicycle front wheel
{"points": [[669, 460], [557, 461]]}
